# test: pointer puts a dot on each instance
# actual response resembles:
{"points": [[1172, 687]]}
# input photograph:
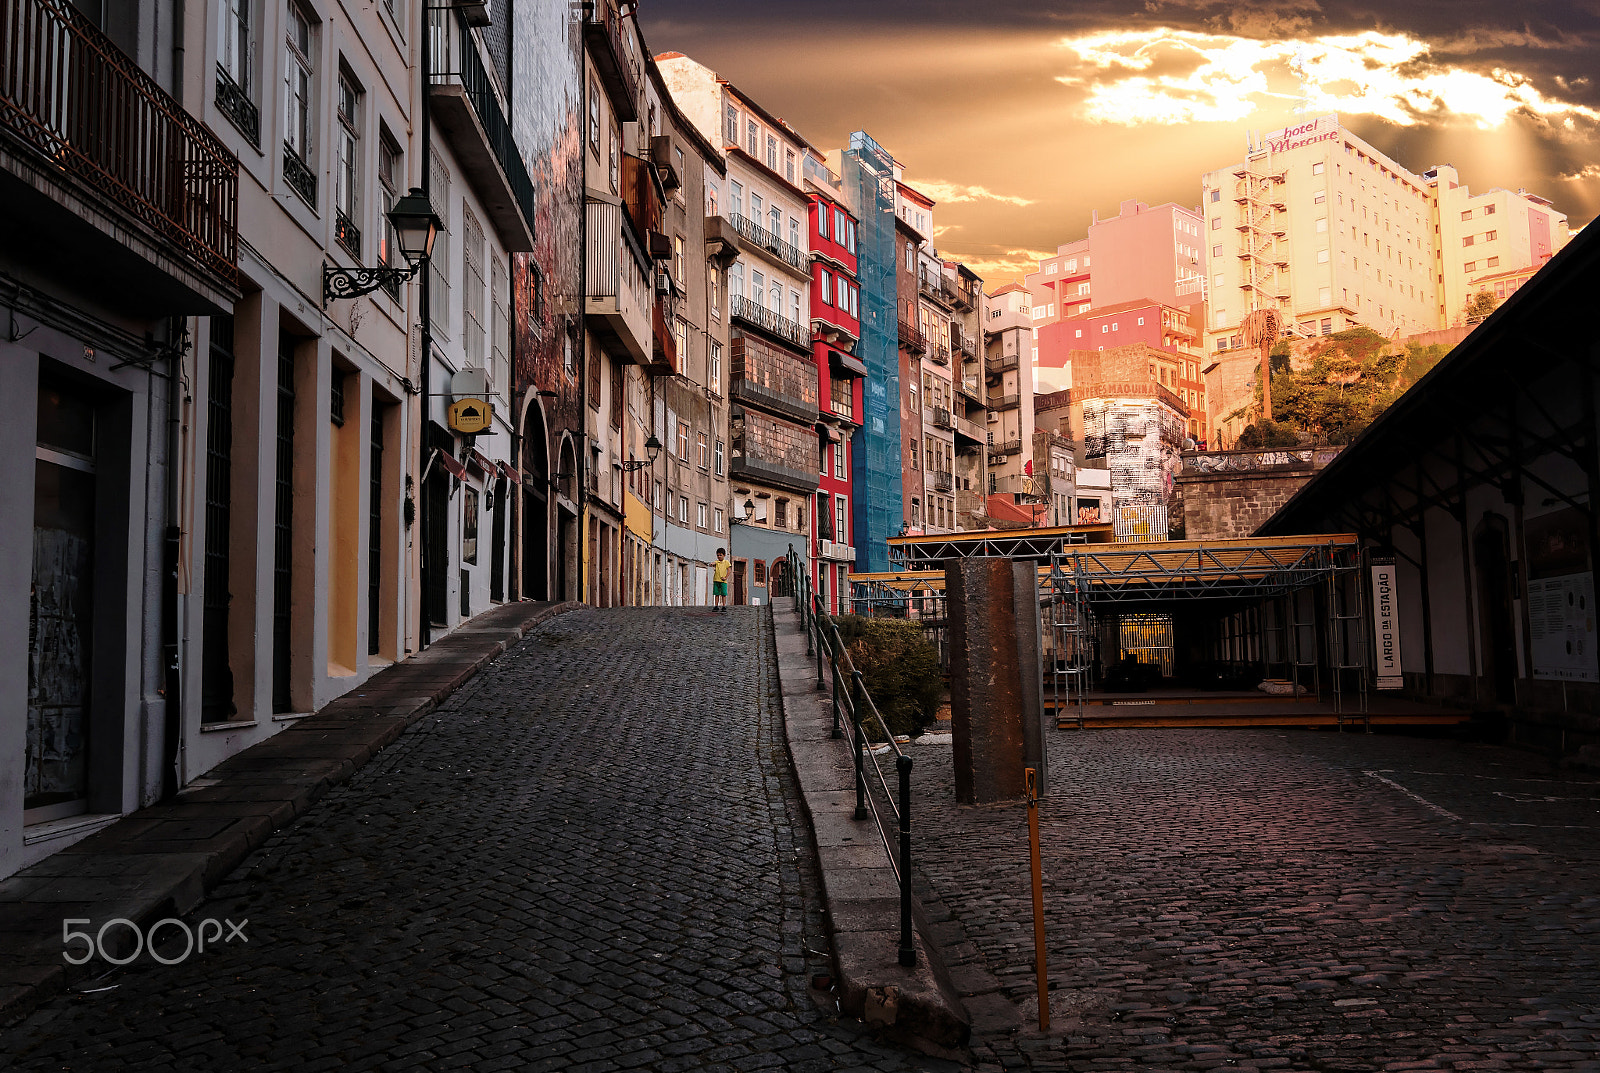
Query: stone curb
{"points": [[159, 862], [916, 1004]]}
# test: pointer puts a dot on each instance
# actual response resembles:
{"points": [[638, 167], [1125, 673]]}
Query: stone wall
{"points": [[1224, 505]]}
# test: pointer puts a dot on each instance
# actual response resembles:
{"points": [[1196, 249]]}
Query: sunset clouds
{"points": [[1022, 118]]}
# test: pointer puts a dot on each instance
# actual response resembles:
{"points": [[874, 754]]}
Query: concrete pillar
{"points": [[996, 693]]}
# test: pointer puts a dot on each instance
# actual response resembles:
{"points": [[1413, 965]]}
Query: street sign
{"points": [[1386, 623], [469, 416]]}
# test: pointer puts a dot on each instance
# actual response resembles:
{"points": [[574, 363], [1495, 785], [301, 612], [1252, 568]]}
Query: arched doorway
{"points": [[535, 504], [568, 544], [782, 582]]}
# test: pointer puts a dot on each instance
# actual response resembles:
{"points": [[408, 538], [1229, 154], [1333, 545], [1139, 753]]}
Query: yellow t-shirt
{"points": [[721, 569]]}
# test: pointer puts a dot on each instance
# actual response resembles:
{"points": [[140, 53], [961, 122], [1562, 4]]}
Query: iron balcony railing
{"points": [[742, 308], [941, 417], [1005, 447], [912, 338], [1004, 363], [1003, 402], [235, 103], [940, 353], [887, 807], [456, 62], [616, 63], [943, 481], [760, 236], [931, 287], [81, 105]]}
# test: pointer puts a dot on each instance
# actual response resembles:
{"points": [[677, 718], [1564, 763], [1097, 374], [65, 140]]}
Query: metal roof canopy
{"points": [[1009, 543], [1245, 568]]}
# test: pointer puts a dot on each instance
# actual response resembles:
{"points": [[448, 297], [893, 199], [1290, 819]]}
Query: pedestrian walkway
{"points": [[588, 858]]}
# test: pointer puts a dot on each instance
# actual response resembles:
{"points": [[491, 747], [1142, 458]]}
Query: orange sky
{"points": [[1024, 117]]}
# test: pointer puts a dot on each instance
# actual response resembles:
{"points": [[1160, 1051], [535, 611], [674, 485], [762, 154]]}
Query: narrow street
{"points": [[584, 861], [1283, 900]]}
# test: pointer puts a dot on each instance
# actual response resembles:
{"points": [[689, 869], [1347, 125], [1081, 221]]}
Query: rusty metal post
{"points": [[860, 691], [988, 705], [817, 624], [1037, 867], [836, 733], [908, 951]]}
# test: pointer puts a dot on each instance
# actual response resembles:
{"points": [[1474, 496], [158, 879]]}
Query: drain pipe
{"points": [[171, 550]]}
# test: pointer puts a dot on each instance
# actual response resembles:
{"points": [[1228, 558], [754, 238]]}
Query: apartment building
{"points": [[773, 383], [1486, 236], [1008, 346], [836, 330], [914, 343], [940, 301], [1174, 330], [968, 421]]}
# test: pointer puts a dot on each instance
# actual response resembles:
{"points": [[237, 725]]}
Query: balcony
{"points": [[940, 353], [613, 59], [963, 344], [105, 153], [941, 481], [912, 339], [643, 199], [470, 116], [967, 431], [941, 418], [664, 357], [773, 379], [1003, 364], [762, 241], [964, 299], [932, 287], [620, 300], [1004, 402], [968, 387], [779, 327], [1004, 447]]}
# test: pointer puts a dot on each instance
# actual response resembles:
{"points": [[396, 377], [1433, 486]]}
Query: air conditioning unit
{"points": [[664, 283]]}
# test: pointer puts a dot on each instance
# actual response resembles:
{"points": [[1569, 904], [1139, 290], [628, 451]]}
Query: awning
{"points": [[450, 464], [847, 363], [475, 458], [510, 473]]}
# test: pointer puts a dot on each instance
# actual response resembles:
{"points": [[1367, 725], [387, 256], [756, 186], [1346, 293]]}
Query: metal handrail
{"points": [[823, 642]]}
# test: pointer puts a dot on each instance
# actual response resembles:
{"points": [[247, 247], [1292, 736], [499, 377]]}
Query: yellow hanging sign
{"points": [[469, 416]]}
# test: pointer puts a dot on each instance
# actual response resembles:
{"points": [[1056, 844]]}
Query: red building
{"points": [[835, 331]]}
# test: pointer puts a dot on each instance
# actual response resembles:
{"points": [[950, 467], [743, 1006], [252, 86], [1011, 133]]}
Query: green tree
{"points": [[1480, 305], [899, 667]]}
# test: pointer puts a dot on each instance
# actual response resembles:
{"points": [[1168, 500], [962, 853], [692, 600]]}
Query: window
{"points": [[1322, 225], [700, 515], [615, 167], [1319, 198], [714, 282], [1322, 257], [1467, 240], [594, 117], [1216, 195], [1488, 210], [730, 122], [781, 514], [839, 461], [736, 198], [841, 509], [390, 171], [1216, 251], [297, 85], [1470, 266], [716, 385], [825, 286], [756, 204], [794, 232], [772, 152], [439, 263], [683, 508], [1490, 236], [788, 164], [1493, 262], [680, 336], [471, 288], [677, 258], [702, 450], [1216, 223], [347, 175], [719, 458], [750, 134], [911, 258], [711, 197], [237, 48], [683, 440], [1318, 168], [794, 306], [716, 520], [775, 221]]}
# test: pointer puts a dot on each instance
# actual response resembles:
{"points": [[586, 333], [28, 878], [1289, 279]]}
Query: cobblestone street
{"points": [[1283, 900], [584, 861]]}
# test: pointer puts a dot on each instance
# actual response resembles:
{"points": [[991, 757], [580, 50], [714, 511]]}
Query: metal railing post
{"points": [[860, 692], [908, 952], [836, 731], [816, 620]]}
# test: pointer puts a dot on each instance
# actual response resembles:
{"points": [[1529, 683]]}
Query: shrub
{"points": [[899, 667]]}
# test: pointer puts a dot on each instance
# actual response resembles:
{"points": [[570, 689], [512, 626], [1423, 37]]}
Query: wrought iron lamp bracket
{"points": [[354, 282]]}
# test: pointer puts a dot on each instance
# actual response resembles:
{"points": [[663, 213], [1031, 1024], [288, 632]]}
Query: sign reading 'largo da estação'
{"points": [[1386, 623]]}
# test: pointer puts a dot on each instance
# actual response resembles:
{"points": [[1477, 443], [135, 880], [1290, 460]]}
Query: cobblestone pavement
{"points": [[586, 860], [1268, 900]]}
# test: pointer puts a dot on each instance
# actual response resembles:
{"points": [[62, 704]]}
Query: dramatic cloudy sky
{"points": [[1024, 116]]}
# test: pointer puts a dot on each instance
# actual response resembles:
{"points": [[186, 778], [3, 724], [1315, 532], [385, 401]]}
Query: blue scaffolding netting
{"points": [[868, 180]]}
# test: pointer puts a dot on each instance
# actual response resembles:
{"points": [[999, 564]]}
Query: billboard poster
{"points": [[1561, 618], [1386, 623]]}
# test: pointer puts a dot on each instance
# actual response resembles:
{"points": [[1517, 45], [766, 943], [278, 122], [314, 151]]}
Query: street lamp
{"points": [[652, 447], [415, 227]]}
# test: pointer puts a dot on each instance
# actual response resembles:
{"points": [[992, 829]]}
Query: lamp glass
{"points": [[415, 225], [652, 446]]}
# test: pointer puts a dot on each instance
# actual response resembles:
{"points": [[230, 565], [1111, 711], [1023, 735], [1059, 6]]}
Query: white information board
{"points": [[1386, 623]]}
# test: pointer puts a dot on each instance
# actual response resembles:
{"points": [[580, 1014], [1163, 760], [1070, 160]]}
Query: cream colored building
{"points": [[1008, 358], [1485, 234]]}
